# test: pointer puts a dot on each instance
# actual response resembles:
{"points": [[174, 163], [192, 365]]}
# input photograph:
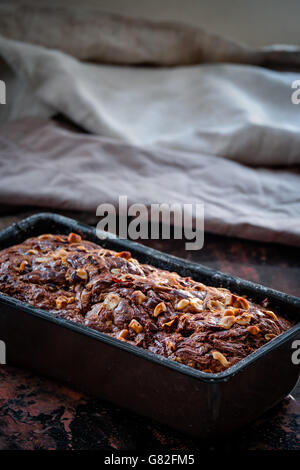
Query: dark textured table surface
{"points": [[36, 413]]}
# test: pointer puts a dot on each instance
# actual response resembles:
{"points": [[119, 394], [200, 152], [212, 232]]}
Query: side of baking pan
{"points": [[181, 397]]}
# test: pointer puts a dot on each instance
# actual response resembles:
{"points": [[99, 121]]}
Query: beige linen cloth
{"points": [[178, 115]]}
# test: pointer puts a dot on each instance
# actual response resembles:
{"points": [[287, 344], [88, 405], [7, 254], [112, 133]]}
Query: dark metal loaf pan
{"points": [[186, 399]]}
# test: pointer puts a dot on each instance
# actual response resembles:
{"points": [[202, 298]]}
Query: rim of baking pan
{"points": [[148, 355], [29, 222]]}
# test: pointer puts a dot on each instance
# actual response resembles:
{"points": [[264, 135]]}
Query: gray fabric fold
{"points": [[42, 164], [93, 35], [203, 124], [241, 112]]}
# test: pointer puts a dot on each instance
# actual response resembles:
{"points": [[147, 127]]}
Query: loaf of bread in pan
{"points": [[203, 327]]}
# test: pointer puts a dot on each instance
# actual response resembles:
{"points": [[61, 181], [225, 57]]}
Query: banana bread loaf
{"points": [[204, 327]]}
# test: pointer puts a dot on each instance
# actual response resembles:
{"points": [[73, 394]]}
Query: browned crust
{"points": [[203, 327]]}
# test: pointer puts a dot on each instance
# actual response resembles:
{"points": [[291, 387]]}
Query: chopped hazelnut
{"points": [[243, 303], [161, 307], [169, 323], [243, 319], [61, 302], [124, 254], [215, 305], [227, 322], [23, 265], [183, 303], [123, 334], [197, 304], [200, 286], [42, 259], [171, 345], [81, 248], [60, 253], [82, 274], [221, 358], [271, 314], [115, 271], [32, 251], [238, 302], [139, 297], [64, 261], [74, 238], [136, 326], [231, 311], [111, 301], [253, 329], [45, 236], [269, 336], [59, 238]]}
